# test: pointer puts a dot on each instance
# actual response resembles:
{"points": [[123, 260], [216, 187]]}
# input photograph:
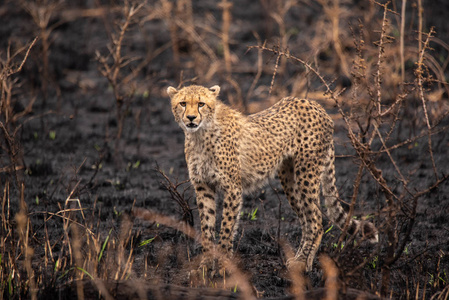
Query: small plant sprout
{"points": [[252, 215], [370, 216], [85, 272], [56, 265], [373, 263], [104, 245], [406, 251], [116, 212], [146, 242], [76, 268], [52, 135], [329, 229], [132, 165], [97, 166], [136, 164], [335, 245]]}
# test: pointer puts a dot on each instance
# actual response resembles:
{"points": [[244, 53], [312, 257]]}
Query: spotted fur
{"points": [[231, 153]]}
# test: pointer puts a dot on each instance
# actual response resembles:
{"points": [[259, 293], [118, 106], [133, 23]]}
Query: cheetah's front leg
{"points": [[232, 204], [205, 199]]}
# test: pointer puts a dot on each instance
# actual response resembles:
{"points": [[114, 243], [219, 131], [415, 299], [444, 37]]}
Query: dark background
{"points": [[67, 154]]}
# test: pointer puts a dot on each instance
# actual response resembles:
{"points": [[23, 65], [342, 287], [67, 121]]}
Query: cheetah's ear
{"points": [[215, 90], [171, 91]]}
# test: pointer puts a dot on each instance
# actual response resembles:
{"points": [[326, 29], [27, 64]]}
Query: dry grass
{"points": [[364, 130], [375, 82]]}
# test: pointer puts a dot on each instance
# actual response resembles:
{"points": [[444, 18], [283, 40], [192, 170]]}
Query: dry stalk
{"points": [[259, 68], [151, 216], [185, 11], [276, 65], [296, 273], [237, 278], [14, 150], [332, 11], [196, 38], [201, 52], [179, 197], [76, 246], [227, 18], [279, 14], [124, 264], [112, 68], [420, 79], [237, 103], [23, 226], [442, 295], [7, 117], [412, 216], [381, 51], [362, 144], [42, 13], [357, 182], [402, 178], [401, 45], [167, 7], [411, 140], [331, 275]]}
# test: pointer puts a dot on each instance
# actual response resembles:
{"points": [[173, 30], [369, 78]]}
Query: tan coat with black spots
{"points": [[231, 153]]}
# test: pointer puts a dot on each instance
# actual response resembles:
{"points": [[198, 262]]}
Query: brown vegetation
{"points": [[78, 79]]}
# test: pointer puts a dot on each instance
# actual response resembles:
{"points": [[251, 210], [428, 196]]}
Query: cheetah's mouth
{"points": [[191, 125]]}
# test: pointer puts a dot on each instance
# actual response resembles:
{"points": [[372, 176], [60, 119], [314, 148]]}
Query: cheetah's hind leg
{"points": [[302, 191]]}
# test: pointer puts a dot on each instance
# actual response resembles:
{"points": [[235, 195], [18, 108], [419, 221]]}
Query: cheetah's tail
{"points": [[335, 211]]}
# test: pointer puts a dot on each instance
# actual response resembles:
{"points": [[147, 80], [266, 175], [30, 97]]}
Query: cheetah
{"points": [[232, 153]]}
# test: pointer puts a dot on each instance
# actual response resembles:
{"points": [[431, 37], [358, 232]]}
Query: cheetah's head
{"points": [[193, 106]]}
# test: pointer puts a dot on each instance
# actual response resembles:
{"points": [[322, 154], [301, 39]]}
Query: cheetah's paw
{"points": [[295, 265]]}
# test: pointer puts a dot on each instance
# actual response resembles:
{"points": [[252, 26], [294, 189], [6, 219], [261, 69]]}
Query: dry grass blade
{"points": [[391, 131], [150, 216], [23, 226], [296, 273], [237, 279], [331, 277]]}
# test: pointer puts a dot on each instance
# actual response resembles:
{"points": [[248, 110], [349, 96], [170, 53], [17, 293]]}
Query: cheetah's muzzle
{"points": [[192, 125]]}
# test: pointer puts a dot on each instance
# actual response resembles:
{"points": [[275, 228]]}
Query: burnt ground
{"points": [[69, 151]]}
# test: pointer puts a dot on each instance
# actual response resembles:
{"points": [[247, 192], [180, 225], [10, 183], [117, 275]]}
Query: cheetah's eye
{"points": [[201, 104], [183, 104]]}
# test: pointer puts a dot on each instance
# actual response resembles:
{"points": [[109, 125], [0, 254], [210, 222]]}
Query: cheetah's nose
{"points": [[191, 118]]}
